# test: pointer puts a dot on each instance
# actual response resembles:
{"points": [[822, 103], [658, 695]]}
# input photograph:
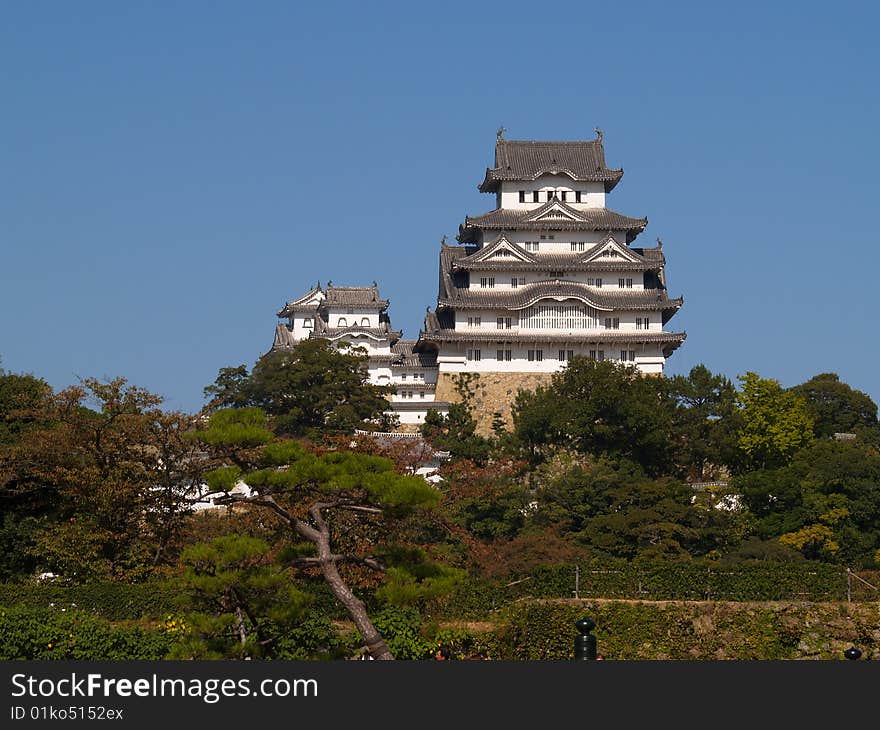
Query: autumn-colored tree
{"points": [[118, 474]]}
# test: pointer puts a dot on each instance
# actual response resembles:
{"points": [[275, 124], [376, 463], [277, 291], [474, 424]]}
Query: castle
{"points": [[550, 273]]}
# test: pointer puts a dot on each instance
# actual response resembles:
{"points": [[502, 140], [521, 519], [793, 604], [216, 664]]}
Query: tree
{"points": [[313, 387], [113, 474], [601, 408], [23, 408], [705, 419], [456, 432], [338, 494], [774, 423], [229, 390], [825, 503], [835, 407], [239, 604], [615, 509]]}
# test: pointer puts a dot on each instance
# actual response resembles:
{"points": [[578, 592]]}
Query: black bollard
{"points": [[852, 653], [585, 644]]}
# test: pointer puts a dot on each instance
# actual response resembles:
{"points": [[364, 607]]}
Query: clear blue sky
{"points": [[172, 173]]}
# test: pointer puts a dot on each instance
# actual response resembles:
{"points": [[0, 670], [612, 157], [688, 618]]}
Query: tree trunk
{"points": [[356, 610]]}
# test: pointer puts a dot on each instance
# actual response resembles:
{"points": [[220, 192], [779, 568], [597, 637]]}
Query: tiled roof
{"points": [[379, 332], [670, 340], [524, 296], [647, 259], [403, 356], [528, 160], [300, 305], [354, 296], [576, 219]]}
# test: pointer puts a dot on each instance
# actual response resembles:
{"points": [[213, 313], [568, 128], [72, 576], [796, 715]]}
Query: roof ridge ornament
{"points": [[499, 135], [659, 242], [599, 134]]}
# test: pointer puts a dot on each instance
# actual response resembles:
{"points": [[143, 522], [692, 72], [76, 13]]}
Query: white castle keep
{"points": [[550, 273]]}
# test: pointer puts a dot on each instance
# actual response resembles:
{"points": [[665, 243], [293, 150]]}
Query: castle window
{"points": [[629, 283], [559, 316], [522, 196], [307, 323], [577, 196], [563, 195], [565, 355], [343, 322], [535, 196], [513, 283], [473, 355], [599, 283], [487, 282], [522, 281], [612, 323], [503, 323], [365, 322]]}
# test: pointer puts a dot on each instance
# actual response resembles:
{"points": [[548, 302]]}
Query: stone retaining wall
{"points": [[493, 393]]}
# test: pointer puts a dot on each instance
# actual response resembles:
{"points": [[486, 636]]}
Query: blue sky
{"points": [[172, 173]]}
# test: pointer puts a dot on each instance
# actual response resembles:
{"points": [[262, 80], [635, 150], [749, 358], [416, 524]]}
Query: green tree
{"points": [[341, 504], [615, 509], [24, 401], [705, 419], [601, 408], [229, 390], [456, 432], [825, 503], [835, 407], [775, 423], [311, 388], [239, 604]]}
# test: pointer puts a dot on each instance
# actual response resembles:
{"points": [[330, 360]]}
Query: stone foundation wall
{"points": [[492, 393]]}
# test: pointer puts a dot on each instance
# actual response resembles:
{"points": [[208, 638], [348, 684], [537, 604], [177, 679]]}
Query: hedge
{"points": [[50, 633], [758, 581], [112, 601]]}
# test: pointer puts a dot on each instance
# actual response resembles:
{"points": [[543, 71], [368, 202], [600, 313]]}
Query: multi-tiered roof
{"points": [[488, 247]]}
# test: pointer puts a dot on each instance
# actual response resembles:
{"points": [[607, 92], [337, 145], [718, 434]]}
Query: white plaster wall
{"points": [[647, 359], [353, 317], [592, 193]]}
